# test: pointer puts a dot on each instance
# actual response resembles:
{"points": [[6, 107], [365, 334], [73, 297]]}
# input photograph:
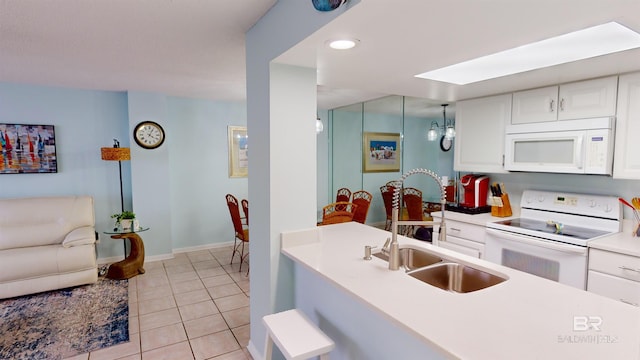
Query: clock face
{"points": [[445, 143], [148, 134]]}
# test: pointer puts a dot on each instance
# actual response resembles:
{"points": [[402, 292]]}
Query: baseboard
{"points": [[202, 247], [112, 259], [255, 354]]}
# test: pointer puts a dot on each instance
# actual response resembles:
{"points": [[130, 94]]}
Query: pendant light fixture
{"points": [[447, 128]]}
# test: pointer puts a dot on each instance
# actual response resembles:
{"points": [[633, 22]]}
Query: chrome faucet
{"points": [[393, 247]]}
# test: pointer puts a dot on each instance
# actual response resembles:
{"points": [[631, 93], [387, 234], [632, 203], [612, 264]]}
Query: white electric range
{"points": [[550, 237]]}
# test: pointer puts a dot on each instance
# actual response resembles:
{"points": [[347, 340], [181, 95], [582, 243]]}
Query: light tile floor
{"points": [[194, 306]]}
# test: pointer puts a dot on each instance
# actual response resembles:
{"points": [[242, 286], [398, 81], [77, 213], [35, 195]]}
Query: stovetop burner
{"points": [[555, 228], [565, 217]]}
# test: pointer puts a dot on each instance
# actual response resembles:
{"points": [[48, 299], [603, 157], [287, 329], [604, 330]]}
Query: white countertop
{"points": [[524, 317], [477, 219], [623, 242]]}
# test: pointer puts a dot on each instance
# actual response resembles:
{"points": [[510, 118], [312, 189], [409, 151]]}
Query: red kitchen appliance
{"points": [[475, 190]]}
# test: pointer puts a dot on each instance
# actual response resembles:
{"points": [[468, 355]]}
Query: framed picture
{"points": [[380, 152], [27, 149], [238, 151]]}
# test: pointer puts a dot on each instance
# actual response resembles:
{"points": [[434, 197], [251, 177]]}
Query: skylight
{"points": [[595, 41]]}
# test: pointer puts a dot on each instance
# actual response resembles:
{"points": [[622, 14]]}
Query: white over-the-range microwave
{"points": [[582, 146]]}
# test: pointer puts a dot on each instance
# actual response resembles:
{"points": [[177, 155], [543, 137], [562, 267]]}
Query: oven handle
{"points": [[539, 242]]}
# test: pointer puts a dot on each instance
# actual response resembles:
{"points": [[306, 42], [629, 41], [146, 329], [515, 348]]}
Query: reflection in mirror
{"points": [[411, 118]]}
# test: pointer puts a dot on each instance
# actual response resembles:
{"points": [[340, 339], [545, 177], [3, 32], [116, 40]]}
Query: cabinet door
{"points": [[588, 99], [479, 142], [626, 164], [463, 246], [614, 287], [537, 105]]}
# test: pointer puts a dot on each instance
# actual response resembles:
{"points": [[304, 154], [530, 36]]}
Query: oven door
{"points": [[564, 263]]}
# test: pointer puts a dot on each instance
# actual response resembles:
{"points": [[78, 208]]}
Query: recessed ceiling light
{"points": [[595, 41], [343, 44]]}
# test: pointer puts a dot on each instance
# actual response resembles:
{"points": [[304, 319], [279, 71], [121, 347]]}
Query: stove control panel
{"points": [[571, 203], [566, 200]]}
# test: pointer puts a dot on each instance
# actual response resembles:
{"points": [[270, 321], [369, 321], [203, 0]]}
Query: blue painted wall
{"points": [[183, 182]]}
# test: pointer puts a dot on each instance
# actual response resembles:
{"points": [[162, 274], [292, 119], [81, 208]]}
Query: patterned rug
{"points": [[63, 323]]}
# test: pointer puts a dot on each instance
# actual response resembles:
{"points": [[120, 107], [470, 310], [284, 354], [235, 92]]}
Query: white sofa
{"points": [[46, 243]]}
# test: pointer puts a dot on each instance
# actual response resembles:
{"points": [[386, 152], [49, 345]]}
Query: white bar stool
{"points": [[296, 336]]}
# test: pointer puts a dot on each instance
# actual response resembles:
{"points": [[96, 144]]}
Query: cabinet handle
{"points": [[551, 105], [562, 104], [454, 229], [629, 302], [628, 268]]}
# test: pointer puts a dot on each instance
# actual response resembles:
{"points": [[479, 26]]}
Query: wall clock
{"points": [[148, 134], [445, 143]]}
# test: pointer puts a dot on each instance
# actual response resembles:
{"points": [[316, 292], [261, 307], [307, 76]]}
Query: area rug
{"points": [[63, 323]]}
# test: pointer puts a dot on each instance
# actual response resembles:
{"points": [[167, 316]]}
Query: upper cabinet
{"points": [[627, 146], [584, 99], [480, 125]]}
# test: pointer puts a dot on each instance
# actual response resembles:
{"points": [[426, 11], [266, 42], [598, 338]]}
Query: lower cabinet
{"points": [[614, 275], [462, 237]]}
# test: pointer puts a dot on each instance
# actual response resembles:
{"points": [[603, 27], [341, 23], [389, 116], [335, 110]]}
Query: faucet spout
{"points": [[394, 248]]}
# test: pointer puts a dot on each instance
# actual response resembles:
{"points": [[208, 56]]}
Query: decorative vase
{"points": [[126, 224]]}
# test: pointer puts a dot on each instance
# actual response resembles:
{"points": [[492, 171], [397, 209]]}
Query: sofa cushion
{"points": [[80, 236], [38, 261], [42, 221]]}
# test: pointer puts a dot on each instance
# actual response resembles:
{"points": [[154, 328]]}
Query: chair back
{"points": [[387, 198], [363, 200], [338, 212], [234, 211], [343, 195], [245, 210], [412, 198]]}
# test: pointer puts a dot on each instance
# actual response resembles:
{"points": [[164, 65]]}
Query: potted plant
{"points": [[125, 221]]}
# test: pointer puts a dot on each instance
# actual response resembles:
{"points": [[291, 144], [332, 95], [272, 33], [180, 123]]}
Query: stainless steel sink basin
{"points": [[412, 258], [456, 277]]}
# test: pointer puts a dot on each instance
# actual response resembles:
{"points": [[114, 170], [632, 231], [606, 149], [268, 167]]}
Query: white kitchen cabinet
{"points": [[614, 275], [627, 146], [479, 142], [537, 105], [462, 237], [578, 100]]}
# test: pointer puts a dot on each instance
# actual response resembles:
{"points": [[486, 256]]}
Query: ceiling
{"points": [[195, 48]]}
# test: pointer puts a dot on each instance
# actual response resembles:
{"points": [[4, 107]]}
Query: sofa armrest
{"points": [[81, 236]]}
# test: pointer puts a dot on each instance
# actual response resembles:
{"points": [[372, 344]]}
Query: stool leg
{"points": [[268, 347]]}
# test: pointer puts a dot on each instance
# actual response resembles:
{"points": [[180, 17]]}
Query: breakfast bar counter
{"points": [[375, 313]]}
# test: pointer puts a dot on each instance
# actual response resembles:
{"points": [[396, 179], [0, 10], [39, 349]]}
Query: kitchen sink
{"points": [[456, 277], [411, 258]]}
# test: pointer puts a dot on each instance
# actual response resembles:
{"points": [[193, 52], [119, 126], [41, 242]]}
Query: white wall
{"points": [[273, 108]]}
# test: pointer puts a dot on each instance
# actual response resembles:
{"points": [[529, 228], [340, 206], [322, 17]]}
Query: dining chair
{"points": [[412, 199], [338, 212], [387, 197], [363, 200], [245, 210], [241, 233], [343, 195]]}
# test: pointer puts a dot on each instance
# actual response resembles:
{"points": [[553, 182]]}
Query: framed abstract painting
{"points": [[27, 149]]}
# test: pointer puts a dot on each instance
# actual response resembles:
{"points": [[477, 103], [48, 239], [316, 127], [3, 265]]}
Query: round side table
{"points": [[133, 264]]}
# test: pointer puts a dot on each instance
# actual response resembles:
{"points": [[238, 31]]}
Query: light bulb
{"points": [[432, 134], [450, 133], [319, 126]]}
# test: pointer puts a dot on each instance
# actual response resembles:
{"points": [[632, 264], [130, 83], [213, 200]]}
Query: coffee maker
{"points": [[475, 190]]}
